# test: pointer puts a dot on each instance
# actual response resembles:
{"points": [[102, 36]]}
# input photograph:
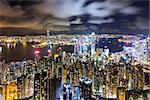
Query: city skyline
{"points": [[74, 50]]}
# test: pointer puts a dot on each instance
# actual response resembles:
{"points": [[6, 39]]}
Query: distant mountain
{"points": [[26, 31], [19, 31]]}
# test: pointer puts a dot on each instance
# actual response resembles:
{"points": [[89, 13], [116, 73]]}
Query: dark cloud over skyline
{"points": [[74, 14]]}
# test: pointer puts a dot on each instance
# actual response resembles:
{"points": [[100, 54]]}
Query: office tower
{"points": [[21, 87], [9, 91], [92, 42], [67, 92], [76, 48], [92, 49], [43, 85], [120, 93], [86, 88], [0, 91], [37, 83], [53, 89]]}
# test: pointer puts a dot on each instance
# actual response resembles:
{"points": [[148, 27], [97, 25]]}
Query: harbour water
{"points": [[26, 51]]}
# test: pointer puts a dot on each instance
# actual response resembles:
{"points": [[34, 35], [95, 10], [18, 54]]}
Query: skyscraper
{"points": [[37, 83]]}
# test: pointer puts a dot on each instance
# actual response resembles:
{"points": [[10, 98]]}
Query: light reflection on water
{"points": [[20, 51]]}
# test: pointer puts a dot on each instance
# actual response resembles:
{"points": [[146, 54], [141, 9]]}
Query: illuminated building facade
{"points": [[43, 89], [92, 43], [86, 88], [49, 44], [0, 91], [21, 87], [9, 91], [29, 86], [77, 48], [37, 84], [121, 93], [44, 86]]}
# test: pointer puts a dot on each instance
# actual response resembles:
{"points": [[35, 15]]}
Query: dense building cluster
{"points": [[43, 78], [85, 74]]}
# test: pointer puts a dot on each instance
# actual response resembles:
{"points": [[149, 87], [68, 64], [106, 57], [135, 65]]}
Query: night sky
{"points": [[74, 14]]}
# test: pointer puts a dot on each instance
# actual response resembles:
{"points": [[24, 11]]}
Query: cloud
{"points": [[81, 27], [55, 23], [97, 9], [61, 8], [77, 21], [130, 10], [18, 16], [55, 14], [109, 8], [68, 8], [25, 25], [142, 23], [7, 10], [100, 21], [64, 9]]}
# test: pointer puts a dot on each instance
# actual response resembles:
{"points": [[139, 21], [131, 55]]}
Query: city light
{"points": [[74, 50], [48, 51], [88, 66], [36, 52], [1, 49]]}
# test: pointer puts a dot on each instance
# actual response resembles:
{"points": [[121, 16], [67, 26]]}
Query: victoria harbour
{"points": [[23, 52], [26, 51]]}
